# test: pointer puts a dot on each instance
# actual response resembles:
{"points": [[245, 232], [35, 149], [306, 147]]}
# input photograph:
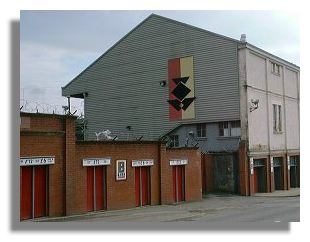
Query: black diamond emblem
{"points": [[181, 91], [175, 103], [180, 79], [186, 102]]}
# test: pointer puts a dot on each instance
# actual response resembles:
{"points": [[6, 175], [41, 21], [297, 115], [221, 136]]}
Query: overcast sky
{"points": [[55, 46]]}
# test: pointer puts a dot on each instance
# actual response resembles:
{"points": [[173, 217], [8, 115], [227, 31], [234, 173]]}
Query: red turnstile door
{"points": [[137, 186], [90, 189], [40, 191], [99, 171], [96, 188], [178, 176], [33, 192], [142, 186], [26, 193], [145, 185]]}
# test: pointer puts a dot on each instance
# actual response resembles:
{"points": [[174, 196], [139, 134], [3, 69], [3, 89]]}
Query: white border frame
{"points": [[125, 170]]}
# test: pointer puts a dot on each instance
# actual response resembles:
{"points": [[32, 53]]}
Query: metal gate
{"points": [[278, 173], [294, 171], [225, 172]]}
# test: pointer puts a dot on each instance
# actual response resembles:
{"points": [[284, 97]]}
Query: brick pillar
{"points": [[166, 188], [243, 169], [75, 186], [203, 174], [209, 172]]}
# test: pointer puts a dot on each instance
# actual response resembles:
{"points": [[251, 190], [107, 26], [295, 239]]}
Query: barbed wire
{"points": [[31, 106]]}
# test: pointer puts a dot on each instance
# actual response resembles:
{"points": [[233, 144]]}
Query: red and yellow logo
{"points": [[181, 88]]}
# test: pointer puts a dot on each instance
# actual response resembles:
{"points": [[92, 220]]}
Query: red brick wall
{"points": [[193, 187], [120, 194], [42, 122], [45, 135], [209, 172], [74, 177], [54, 135], [244, 172]]}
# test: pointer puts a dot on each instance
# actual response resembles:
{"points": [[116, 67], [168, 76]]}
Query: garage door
{"points": [[96, 188], [178, 179], [142, 185], [33, 189]]}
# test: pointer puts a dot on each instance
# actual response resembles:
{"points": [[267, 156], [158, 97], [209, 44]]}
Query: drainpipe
{"points": [[159, 171]]}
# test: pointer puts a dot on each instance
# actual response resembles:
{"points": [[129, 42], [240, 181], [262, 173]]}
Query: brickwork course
{"points": [[66, 190]]}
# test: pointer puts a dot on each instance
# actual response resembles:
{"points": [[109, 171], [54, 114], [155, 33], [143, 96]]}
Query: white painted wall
{"points": [[270, 89], [258, 122]]}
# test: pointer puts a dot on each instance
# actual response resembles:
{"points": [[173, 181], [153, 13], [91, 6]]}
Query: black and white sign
{"points": [[288, 163], [271, 164], [96, 161], [176, 162], [252, 165], [34, 161], [136, 163], [121, 170]]}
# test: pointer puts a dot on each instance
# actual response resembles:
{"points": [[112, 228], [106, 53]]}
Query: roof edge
{"points": [[107, 51], [195, 27], [259, 50]]}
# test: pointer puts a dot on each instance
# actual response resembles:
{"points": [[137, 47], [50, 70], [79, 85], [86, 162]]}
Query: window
{"points": [[235, 128], [224, 130], [201, 131], [275, 68], [277, 118], [228, 129], [174, 140]]}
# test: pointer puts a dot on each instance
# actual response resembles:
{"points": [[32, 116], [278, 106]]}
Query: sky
{"points": [[55, 46]]}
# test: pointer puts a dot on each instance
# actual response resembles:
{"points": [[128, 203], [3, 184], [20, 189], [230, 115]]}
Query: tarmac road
{"points": [[213, 208]]}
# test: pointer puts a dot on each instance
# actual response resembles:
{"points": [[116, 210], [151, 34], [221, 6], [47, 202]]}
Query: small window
{"points": [[201, 131], [224, 129], [235, 128], [275, 68], [229, 129], [174, 140], [277, 118]]}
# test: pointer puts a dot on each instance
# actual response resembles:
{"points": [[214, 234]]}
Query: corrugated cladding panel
{"points": [[123, 85]]}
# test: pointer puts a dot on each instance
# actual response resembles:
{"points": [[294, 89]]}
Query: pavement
{"points": [[293, 192], [213, 207]]}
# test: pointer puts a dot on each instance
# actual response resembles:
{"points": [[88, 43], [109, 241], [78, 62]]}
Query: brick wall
{"points": [[45, 135], [193, 186], [208, 169], [54, 135], [120, 194]]}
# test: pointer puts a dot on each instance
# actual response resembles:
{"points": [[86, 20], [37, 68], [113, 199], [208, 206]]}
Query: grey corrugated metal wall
{"points": [[123, 85]]}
